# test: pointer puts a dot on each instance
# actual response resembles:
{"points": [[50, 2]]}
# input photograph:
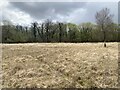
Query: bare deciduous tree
{"points": [[104, 20], [34, 25], [60, 31], [47, 27]]}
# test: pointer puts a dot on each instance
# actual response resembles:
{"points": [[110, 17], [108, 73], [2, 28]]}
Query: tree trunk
{"points": [[47, 35], [42, 33], [60, 32], [104, 37], [34, 31]]}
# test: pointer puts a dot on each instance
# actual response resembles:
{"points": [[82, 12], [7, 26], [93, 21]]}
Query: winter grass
{"points": [[60, 65]]}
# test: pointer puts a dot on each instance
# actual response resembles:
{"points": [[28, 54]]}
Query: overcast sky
{"points": [[75, 12]]}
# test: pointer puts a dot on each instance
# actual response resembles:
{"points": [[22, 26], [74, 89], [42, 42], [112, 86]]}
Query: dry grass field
{"points": [[59, 65]]}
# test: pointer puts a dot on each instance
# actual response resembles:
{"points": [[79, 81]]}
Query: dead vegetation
{"points": [[59, 65]]}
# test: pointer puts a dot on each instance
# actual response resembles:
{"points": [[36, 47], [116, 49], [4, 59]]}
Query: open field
{"points": [[59, 65]]}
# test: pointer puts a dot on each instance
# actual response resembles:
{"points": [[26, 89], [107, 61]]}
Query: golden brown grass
{"points": [[59, 65]]}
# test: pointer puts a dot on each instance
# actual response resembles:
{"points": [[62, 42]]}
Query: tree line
{"points": [[103, 31]]}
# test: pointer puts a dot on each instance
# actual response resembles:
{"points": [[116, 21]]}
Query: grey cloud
{"points": [[43, 10], [62, 11], [93, 7], [119, 12]]}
